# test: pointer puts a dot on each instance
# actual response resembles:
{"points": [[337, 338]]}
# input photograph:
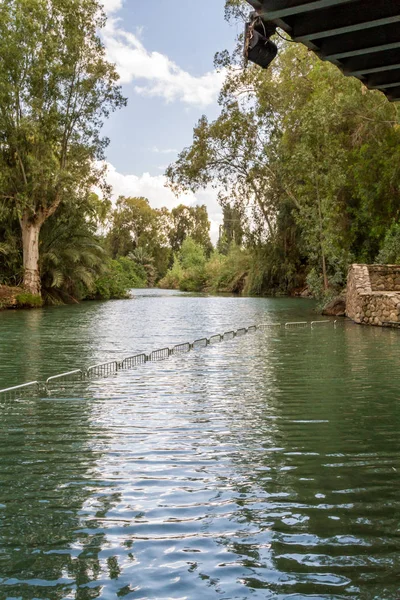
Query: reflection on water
{"points": [[263, 467]]}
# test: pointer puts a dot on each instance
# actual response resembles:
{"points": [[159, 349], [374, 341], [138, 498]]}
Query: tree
{"points": [[190, 221], [136, 225], [229, 154], [72, 257], [231, 230], [56, 87], [141, 257], [308, 157]]}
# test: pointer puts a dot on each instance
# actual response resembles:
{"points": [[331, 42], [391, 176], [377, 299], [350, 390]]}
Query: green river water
{"points": [[266, 467]]}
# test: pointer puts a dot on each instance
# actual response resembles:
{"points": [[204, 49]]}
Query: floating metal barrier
{"points": [[16, 389], [241, 331], [103, 369], [264, 326], [182, 348], [229, 335], [313, 323], [201, 343], [112, 367], [162, 354], [295, 324], [133, 361], [78, 374]]}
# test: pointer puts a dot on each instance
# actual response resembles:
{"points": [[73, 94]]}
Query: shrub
{"points": [[174, 276], [188, 270], [390, 249], [232, 275], [122, 274]]}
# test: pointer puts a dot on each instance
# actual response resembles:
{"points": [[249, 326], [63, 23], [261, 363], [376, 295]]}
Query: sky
{"points": [[164, 52]]}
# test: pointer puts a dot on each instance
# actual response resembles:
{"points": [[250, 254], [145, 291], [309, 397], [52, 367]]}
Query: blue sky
{"points": [[164, 51]]}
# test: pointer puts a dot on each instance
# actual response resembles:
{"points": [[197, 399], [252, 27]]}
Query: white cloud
{"points": [[153, 188], [154, 73], [164, 150], [112, 6]]}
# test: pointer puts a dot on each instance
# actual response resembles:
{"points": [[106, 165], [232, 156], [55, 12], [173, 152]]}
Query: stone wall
{"points": [[373, 294], [384, 278]]}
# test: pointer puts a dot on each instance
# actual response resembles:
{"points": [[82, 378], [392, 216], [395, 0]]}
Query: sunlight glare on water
{"points": [[262, 467]]}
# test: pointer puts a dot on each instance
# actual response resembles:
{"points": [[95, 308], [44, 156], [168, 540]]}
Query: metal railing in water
{"points": [[112, 367]]}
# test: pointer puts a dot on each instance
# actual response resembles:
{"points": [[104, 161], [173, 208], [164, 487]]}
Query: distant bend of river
{"points": [[266, 467]]}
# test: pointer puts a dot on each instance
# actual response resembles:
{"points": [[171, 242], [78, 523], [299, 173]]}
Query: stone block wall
{"points": [[384, 278], [373, 294]]}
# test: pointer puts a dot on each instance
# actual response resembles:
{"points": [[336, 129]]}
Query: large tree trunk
{"points": [[30, 245]]}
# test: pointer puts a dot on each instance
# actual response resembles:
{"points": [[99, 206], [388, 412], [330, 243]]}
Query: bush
{"points": [[188, 271], [174, 276], [194, 280], [27, 300], [122, 275], [229, 273], [213, 270], [390, 249]]}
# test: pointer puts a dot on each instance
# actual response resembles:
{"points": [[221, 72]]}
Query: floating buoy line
{"points": [[110, 368]]}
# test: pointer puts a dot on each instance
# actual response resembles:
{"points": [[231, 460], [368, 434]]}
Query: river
{"points": [[262, 467]]}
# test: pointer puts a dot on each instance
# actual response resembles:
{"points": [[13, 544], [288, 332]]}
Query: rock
{"points": [[335, 308]]}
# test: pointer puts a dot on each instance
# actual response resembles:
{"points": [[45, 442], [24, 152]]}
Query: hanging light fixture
{"points": [[258, 47]]}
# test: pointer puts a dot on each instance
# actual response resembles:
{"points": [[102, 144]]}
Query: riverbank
{"points": [[13, 298], [17, 297]]}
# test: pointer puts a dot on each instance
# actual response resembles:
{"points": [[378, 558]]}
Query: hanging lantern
{"points": [[258, 47]]}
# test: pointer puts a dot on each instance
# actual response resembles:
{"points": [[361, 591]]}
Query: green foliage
{"points": [[190, 222], [188, 270], [305, 161], [192, 255], [71, 255], [228, 274], [151, 236], [173, 277], [390, 249], [121, 275], [308, 158], [143, 258], [27, 300], [56, 88], [231, 231]]}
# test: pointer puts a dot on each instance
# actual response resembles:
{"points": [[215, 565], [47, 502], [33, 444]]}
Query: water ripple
{"points": [[266, 467]]}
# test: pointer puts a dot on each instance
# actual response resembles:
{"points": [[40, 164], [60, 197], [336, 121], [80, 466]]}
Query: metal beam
{"points": [[278, 9], [372, 40], [374, 70], [385, 86], [345, 29], [361, 51], [384, 79], [362, 37], [347, 18], [363, 65]]}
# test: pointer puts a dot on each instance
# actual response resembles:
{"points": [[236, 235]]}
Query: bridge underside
{"points": [[361, 37]]}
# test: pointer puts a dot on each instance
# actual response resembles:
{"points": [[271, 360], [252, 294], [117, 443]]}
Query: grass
{"points": [[27, 300]]}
